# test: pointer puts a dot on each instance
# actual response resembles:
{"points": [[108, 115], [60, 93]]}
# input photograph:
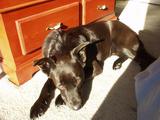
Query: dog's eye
{"points": [[61, 87], [78, 81]]}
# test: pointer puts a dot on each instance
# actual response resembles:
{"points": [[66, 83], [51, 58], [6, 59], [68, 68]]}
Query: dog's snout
{"points": [[77, 104]]}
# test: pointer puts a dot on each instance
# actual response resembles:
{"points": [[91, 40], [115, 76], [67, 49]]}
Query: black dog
{"points": [[72, 56]]}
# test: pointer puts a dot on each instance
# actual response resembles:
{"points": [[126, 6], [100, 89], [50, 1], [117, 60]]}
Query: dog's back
{"points": [[117, 38]]}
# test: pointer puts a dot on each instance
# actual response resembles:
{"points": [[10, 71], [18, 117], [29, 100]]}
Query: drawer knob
{"points": [[57, 26], [102, 7]]}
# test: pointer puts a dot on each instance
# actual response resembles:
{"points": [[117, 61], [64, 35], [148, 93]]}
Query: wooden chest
{"points": [[23, 25]]}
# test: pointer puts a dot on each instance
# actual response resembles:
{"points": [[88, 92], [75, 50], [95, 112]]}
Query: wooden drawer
{"points": [[32, 29], [8, 5], [93, 12], [23, 26]]}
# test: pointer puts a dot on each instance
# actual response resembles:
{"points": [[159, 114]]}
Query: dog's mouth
{"points": [[74, 107], [74, 104]]}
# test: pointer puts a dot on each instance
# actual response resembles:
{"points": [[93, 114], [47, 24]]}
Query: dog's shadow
{"points": [[87, 85], [89, 71], [2, 73], [120, 102], [86, 89]]}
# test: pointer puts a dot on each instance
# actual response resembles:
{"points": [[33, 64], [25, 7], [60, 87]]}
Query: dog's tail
{"points": [[143, 58]]}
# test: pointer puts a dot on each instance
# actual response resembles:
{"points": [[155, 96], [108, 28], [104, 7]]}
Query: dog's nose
{"points": [[77, 106]]}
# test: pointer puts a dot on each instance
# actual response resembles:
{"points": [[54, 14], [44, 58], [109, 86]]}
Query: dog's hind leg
{"points": [[123, 56], [44, 100]]}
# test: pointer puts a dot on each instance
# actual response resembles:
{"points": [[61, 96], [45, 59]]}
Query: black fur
{"points": [[73, 56]]}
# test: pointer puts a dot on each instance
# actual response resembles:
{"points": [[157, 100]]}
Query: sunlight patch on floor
{"points": [[134, 14]]}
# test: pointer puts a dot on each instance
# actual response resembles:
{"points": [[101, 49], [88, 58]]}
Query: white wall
{"points": [[150, 1]]}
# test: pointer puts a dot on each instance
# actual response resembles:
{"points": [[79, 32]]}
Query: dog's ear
{"points": [[45, 64], [79, 52]]}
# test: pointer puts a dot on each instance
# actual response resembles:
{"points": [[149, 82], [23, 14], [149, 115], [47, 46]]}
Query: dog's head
{"points": [[67, 73]]}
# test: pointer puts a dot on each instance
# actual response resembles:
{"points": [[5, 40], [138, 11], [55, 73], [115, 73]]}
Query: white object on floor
{"points": [[147, 87]]}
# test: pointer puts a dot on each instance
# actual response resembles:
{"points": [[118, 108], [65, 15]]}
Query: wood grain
{"points": [[39, 22], [8, 61], [9, 5], [92, 13], [23, 24]]}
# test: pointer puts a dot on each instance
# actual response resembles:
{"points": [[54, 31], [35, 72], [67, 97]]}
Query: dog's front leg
{"points": [[59, 101], [44, 100]]}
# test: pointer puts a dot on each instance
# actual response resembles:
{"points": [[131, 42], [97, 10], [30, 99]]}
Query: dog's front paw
{"points": [[38, 109], [117, 65], [59, 101]]}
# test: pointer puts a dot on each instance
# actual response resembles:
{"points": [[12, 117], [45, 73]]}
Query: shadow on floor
{"points": [[150, 35], [120, 5], [2, 74], [120, 103]]}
